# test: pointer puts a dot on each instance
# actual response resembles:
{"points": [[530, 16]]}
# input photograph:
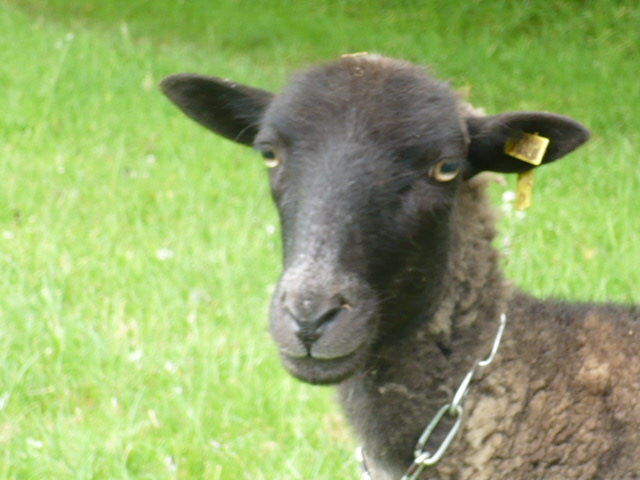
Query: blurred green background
{"points": [[137, 251]]}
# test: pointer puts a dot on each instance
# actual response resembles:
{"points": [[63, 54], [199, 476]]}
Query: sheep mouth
{"points": [[319, 371]]}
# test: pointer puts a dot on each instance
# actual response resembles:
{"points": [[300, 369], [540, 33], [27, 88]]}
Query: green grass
{"points": [[137, 251]]}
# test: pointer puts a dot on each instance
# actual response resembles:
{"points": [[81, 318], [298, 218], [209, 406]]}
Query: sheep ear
{"points": [[229, 109], [489, 136]]}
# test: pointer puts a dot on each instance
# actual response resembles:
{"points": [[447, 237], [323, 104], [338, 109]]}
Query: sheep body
{"points": [[559, 401], [391, 287]]}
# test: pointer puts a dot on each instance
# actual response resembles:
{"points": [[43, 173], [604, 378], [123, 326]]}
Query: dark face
{"points": [[366, 155], [364, 174]]}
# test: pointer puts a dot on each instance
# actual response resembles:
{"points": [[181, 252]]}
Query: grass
{"points": [[137, 252]]}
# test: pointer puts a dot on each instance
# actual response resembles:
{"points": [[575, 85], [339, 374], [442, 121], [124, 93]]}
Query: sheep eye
{"points": [[445, 170], [271, 158]]}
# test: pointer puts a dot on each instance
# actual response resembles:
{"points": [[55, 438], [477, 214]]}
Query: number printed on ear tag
{"points": [[530, 148]]}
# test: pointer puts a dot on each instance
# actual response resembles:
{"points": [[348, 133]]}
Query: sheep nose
{"points": [[311, 316]]}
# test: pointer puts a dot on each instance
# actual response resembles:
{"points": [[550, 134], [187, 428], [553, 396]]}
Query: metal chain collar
{"points": [[453, 410]]}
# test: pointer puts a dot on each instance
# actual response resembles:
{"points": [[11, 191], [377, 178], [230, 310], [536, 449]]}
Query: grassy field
{"points": [[137, 252]]}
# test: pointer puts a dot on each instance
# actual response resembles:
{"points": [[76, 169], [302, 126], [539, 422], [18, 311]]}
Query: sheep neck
{"points": [[408, 378]]}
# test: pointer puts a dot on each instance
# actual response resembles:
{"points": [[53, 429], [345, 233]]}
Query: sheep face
{"points": [[366, 155], [361, 211]]}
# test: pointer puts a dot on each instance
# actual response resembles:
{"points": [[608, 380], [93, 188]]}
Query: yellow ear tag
{"points": [[530, 148], [524, 191]]}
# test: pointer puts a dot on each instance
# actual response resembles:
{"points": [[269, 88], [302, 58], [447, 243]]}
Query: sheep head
{"points": [[366, 155]]}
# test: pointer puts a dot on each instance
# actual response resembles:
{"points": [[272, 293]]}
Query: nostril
{"points": [[310, 327], [328, 316]]}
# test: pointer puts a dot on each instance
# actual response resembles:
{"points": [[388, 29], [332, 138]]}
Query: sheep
{"points": [[391, 288]]}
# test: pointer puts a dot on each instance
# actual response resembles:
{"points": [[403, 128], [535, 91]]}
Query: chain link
{"points": [[453, 410], [364, 473]]}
